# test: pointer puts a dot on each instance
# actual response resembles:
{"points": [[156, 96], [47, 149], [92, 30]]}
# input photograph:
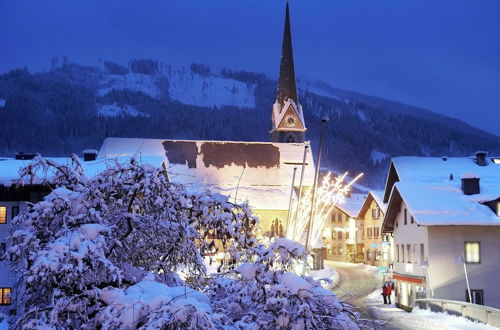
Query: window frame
{"points": [[473, 293], [15, 213], [3, 300], [405, 216], [479, 252], [3, 214]]}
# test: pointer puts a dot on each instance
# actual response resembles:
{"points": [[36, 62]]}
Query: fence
{"points": [[474, 312]]}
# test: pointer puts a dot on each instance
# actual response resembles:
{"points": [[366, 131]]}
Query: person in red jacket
{"points": [[386, 292]]}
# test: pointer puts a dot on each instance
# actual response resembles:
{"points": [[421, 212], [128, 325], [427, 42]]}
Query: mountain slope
{"points": [[72, 108]]}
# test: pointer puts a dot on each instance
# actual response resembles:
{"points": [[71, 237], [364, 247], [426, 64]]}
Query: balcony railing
{"points": [[475, 312]]}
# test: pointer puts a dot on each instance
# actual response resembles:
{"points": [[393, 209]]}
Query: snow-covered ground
{"points": [[209, 91], [184, 86], [327, 272], [418, 318], [132, 81]]}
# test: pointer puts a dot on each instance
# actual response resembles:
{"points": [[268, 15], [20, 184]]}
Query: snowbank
{"points": [[418, 318], [328, 273]]}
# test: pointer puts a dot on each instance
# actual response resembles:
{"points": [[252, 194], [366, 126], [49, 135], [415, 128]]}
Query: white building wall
{"points": [[413, 263], [448, 275]]}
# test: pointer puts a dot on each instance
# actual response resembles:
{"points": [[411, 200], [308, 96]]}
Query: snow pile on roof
{"points": [[433, 199], [378, 196], [114, 110], [259, 172], [209, 91], [135, 82]]}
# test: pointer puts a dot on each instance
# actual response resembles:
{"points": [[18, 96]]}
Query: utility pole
{"points": [[318, 165], [300, 192], [290, 203]]}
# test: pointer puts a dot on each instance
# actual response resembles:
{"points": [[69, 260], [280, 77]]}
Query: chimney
{"points": [[89, 154], [470, 184], [481, 158], [23, 156]]}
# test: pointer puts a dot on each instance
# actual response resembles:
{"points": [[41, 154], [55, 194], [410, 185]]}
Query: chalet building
{"points": [[261, 173], [342, 234], [14, 198], [377, 245], [444, 213]]}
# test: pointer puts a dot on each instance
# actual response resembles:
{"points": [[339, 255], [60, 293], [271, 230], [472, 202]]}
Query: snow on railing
{"points": [[485, 314]]}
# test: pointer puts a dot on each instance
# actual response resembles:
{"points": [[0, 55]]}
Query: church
{"points": [[267, 175]]}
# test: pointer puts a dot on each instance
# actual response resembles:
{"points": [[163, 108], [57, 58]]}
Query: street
{"points": [[355, 283]]}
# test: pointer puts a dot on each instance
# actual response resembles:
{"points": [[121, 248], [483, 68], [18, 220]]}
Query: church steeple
{"points": [[287, 88], [287, 122]]}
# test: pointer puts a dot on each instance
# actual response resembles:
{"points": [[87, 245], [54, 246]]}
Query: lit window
{"points": [[3, 214], [5, 296], [472, 252]]}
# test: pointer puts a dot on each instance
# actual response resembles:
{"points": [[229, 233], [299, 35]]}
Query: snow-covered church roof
{"points": [[431, 188], [260, 172]]}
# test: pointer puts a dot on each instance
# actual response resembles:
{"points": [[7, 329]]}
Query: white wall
{"points": [[448, 276], [412, 234]]}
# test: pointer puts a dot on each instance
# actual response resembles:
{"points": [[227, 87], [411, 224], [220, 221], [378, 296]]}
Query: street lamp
{"points": [[316, 175]]}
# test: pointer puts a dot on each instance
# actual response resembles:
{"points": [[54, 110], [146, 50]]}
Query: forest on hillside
{"points": [[56, 113]]}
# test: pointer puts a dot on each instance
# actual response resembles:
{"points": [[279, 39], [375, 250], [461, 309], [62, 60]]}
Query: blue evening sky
{"points": [[440, 54]]}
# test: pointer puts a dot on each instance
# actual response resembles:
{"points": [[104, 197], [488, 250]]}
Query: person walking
{"points": [[384, 293], [388, 292]]}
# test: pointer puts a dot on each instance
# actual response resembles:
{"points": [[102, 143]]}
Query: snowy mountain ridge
{"points": [[79, 106]]}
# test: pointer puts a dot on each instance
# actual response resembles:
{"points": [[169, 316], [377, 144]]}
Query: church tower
{"points": [[287, 120]]}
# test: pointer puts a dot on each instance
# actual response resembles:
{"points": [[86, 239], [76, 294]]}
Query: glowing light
{"points": [[330, 193]]}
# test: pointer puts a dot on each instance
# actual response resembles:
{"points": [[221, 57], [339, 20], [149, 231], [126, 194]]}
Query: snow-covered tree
{"points": [[263, 293], [105, 252], [91, 235]]}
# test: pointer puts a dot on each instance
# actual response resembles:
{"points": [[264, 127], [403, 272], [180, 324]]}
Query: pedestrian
{"points": [[388, 292], [384, 291]]}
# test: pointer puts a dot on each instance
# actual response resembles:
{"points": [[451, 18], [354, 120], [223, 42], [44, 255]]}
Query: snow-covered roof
{"points": [[431, 188], [260, 172], [376, 196], [352, 204], [10, 167]]}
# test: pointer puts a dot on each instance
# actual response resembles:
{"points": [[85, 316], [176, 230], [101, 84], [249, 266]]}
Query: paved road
{"points": [[359, 282]]}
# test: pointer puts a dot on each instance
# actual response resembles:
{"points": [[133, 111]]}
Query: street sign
{"points": [[382, 269]]}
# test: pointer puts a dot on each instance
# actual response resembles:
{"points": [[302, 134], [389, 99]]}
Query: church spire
{"points": [[287, 120], [287, 88]]}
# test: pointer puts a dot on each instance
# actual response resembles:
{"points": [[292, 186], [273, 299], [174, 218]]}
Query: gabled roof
{"points": [[351, 205], [279, 113], [260, 172], [372, 196], [431, 189]]}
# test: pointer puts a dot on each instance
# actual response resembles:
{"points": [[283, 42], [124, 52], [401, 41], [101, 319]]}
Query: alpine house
{"points": [[444, 215]]}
